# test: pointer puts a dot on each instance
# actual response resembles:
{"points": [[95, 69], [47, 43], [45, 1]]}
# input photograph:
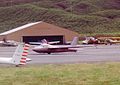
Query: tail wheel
{"points": [[49, 52]]}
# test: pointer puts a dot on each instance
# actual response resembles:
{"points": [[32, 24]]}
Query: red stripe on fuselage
{"points": [[55, 50]]}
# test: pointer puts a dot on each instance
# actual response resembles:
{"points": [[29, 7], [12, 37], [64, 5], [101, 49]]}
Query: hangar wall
{"points": [[40, 29]]}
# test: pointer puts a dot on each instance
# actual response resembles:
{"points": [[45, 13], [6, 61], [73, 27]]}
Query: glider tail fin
{"points": [[44, 41], [75, 41], [20, 55]]}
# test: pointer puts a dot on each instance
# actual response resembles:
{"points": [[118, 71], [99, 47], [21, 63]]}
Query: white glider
{"points": [[19, 57]]}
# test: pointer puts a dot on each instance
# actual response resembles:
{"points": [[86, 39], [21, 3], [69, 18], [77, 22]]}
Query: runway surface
{"points": [[103, 53]]}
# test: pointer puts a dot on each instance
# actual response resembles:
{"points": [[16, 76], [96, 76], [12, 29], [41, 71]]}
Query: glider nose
{"points": [[35, 48]]}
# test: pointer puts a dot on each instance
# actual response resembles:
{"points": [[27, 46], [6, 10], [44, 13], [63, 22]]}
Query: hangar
{"points": [[34, 32]]}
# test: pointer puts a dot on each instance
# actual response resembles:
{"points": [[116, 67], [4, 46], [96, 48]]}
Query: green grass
{"points": [[67, 74]]}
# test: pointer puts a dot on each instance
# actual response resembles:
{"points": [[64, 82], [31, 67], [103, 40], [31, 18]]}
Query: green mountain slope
{"points": [[82, 16]]}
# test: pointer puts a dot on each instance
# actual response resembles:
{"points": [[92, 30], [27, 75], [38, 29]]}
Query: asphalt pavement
{"points": [[103, 53]]}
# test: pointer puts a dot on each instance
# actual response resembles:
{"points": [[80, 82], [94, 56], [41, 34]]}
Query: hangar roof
{"points": [[19, 28]]}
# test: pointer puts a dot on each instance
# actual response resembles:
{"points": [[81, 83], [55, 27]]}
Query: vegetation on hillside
{"points": [[82, 16]]}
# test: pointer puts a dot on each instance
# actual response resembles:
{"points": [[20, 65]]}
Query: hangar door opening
{"points": [[28, 39]]}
